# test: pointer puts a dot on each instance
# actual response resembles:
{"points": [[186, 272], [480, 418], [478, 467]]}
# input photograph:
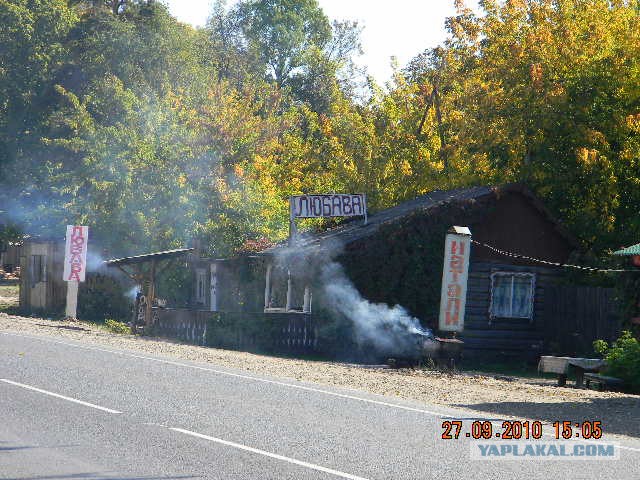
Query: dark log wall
{"points": [[504, 337]]}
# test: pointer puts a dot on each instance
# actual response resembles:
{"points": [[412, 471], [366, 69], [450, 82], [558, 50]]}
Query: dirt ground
{"points": [[516, 397]]}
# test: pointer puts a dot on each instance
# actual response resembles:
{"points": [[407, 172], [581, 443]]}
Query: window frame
{"points": [[512, 274], [38, 264], [201, 296]]}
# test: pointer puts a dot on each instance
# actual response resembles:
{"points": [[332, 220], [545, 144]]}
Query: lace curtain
{"points": [[512, 295]]}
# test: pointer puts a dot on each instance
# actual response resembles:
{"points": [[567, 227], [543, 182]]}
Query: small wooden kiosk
{"points": [[144, 271]]}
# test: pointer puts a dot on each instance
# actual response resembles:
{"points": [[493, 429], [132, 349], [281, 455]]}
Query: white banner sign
{"points": [[333, 205], [75, 253], [454, 282]]}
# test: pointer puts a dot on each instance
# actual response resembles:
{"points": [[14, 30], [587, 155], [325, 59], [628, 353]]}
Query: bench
{"points": [[603, 382], [561, 366]]}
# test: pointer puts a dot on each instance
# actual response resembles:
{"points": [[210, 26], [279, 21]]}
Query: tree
{"points": [[545, 92], [31, 49], [282, 32]]}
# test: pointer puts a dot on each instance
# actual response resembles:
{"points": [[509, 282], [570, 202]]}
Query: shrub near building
{"points": [[623, 358]]}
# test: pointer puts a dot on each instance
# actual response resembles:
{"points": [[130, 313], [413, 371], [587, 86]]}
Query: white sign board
{"points": [[454, 282], [75, 253], [333, 205]]}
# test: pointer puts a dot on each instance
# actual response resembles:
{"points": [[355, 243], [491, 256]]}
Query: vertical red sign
{"points": [[75, 253], [454, 282]]}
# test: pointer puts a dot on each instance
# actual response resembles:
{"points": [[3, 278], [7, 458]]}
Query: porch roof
{"points": [[632, 250], [147, 257]]}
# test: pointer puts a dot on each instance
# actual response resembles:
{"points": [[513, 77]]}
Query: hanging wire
{"points": [[547, 262]]}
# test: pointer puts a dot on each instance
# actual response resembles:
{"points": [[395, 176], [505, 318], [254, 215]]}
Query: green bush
{"points": [[623, 358], [103, 297], [117, 327]]}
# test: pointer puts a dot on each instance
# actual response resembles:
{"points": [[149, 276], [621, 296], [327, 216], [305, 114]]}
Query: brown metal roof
{"points": [[147, 257], [354, 230]]}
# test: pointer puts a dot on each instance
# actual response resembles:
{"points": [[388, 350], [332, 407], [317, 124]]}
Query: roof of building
{"points": [[354, 230], [632, 250], [147, 257]]}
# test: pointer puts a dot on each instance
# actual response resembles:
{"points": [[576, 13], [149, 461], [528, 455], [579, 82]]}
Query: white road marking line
{"points": [[86, 404], [246, 377], [264, 380], [269, 454]]}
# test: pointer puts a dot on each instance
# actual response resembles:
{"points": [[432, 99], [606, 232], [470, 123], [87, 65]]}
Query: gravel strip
{"points": [[523, 398]]}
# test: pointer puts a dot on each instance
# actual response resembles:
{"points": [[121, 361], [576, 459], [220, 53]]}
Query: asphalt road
{"points": [[73, 411]]}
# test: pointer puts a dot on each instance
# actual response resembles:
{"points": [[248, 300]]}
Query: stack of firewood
{"points": [[15, 275]]}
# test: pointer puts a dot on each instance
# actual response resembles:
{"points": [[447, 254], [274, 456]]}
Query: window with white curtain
{"points": [[512, 295]]}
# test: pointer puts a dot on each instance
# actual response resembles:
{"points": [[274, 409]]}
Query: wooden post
{"points": [[72, 300], [214, 287], [267, 288], [151, 295], [292, 223], [307, 300], [289, 291]]}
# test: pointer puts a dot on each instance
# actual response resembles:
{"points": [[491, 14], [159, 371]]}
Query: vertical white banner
{"points": [[453, 297], [75, 253]]}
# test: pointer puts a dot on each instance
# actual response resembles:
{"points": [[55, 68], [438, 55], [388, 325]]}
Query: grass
{"points": [[9, 298], [117, 327]]}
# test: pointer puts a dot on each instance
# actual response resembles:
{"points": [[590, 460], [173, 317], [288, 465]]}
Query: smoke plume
{"points": [[377, 327], [387, 329]]}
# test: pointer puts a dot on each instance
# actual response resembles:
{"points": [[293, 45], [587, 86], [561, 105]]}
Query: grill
{"points": [[444, 352]]}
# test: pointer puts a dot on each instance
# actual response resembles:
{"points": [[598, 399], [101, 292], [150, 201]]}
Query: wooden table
{"points": [[562, 365]]}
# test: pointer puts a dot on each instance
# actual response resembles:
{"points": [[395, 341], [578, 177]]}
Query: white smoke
{"points": [[387, 329], [132, 293]]}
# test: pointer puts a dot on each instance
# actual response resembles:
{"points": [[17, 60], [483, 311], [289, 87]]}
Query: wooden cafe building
{"points": [[514, 306]]}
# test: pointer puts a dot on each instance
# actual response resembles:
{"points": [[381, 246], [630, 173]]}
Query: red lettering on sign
{"points": [[452, 314], [457, 247], [76, 249], [454, 290]]}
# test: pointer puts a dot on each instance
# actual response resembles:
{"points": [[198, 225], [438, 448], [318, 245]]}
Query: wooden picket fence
{"points": [[293, 332]]}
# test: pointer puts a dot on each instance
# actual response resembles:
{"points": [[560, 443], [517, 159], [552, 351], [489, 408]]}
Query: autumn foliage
{"points": [[153, 132]]}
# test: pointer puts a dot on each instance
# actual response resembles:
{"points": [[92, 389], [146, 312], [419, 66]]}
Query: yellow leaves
{"points": [[595, 137], [557, 91], [182, 180], [590, 158], [536, 75], [405, 168], [223, 189], [482, 164], [437, 164], [633, 122], [325, 125], [585, 156]]}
